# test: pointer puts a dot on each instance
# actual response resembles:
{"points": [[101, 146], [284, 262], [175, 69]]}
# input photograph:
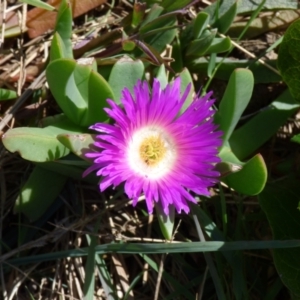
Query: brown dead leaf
{"points": [[40, 20], [11, 21]]}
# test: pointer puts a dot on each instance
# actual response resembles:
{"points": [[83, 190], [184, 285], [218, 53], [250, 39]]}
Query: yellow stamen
{"points": [[152, 150]]}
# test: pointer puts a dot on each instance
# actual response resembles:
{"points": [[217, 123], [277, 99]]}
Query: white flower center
{"points": [[151, 152]]}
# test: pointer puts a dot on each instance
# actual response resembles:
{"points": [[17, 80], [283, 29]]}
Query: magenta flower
{"points": [[154, 149]]}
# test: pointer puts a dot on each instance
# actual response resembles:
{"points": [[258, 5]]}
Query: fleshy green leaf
{"points": [[177, 65], [211, 65], [138, 13], [224, 21], [223, 15], [166, 222], [261, 73], [38, 3], [230, 163], [234, 101], [63, 26], [80, 91], [249, 137], [39, 192], [35, 144], [162, 76], [128, 45], [200, 24], [186, 79], [227, 155], [57, 49], [171, 5], [158, 22], [77, 143], [226, 168], [58, 120], [289, 59], [200, 46], [296, 138], [67, 168], [40, 144], [125, 73], [166, 36], [153, 13], [279, 202], [7, 94], [251, 179], [219, 45], [162, 26]]}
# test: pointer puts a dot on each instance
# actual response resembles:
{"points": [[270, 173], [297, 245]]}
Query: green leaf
{"points": [[153, 14], [199, 46], [79, 144], [59, 120], [158, 22], [40, 144], [219, 45], [279, 202], [162, 76], [35, 144], [57, 49], [289, 59], [39, 192], [230, 163], [261, 73], [138, 13], [235, 99], [228, 156], [7, 94], [200, 24], [211, 65], [79, 91], [67, 168], [63, 26], [89, 283], [249, 137], [166, 222], [186, 79], [164, 37], [159, 248], [296, 138], [159, 31], [40, 4], [171, 5], [125, 73], [222, 16], [177, 65], [251, 179], [128, 45]]}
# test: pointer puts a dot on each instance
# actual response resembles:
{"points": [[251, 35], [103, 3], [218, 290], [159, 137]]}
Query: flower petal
{"points": [[190, 146]]}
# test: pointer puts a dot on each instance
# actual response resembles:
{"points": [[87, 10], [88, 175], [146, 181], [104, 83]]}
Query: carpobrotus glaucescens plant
{"points": [[154, 149]]}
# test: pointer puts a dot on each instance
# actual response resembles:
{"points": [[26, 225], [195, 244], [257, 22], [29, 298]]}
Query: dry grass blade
{"points": [[57, 233], [38, 82]]}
